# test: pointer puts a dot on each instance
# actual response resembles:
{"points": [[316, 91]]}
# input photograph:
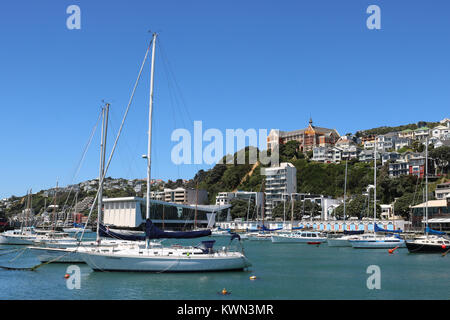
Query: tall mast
{"points": [[264, 199], [292, 213], [196, 204], [426, 185], [105, 111], [147, 214], [54, 207], [374, 183], [30, 195], [345, 189], [23, 214]]}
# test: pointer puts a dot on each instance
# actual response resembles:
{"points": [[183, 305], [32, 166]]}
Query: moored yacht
{"points": [[144, 257], [341, 240], [429, 244], [23, 236], [432, 241], [311, 237], [376, 241]]}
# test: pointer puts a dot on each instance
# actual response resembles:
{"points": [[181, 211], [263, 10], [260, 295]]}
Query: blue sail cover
{"points": [[107, 233], [78, 225], [152, 232], [431, 231], [378, 229], [297, 228]]}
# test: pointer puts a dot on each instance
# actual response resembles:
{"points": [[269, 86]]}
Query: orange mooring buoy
{"points": [[224, 291], [253, 278], [392, 250], [67, 276]]}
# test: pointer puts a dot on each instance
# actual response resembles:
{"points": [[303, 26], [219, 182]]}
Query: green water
{"points": [[283, 271]]}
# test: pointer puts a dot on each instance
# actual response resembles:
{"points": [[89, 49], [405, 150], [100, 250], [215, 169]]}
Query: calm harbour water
{"points": [[283, 271]]}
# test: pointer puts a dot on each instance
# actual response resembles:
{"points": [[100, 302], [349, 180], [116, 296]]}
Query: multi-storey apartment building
{"points": [[181, 196], [280, 183]]}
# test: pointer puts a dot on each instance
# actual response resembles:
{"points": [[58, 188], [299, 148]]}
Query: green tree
{"points": [[442, 157]]}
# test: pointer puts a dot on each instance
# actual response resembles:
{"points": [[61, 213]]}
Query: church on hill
{"points": [[308, 137]]}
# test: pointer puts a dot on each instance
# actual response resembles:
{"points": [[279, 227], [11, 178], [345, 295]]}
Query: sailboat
{"points": [[294, 236], [264, 233], [23, 236], [65, 250], [343, 240], [148, 258], [432, 241], [376, 241]]}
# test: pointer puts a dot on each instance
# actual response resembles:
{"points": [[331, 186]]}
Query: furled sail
{"points": [[378, 229], [153, 232], [431, 231], [105, 232]]}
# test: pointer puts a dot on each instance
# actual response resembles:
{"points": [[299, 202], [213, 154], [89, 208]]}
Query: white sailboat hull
{"points": [[377, 244], [56, 255], [288, 239], [77, 230], [17, 239], [148, 263]]}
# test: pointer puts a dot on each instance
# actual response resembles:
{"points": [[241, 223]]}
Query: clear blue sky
{"points": [[239, 64]]}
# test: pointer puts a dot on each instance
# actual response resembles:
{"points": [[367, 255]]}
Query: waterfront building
{"points": [[308, 137], [438, 214], [280, 181], [130, 212]]}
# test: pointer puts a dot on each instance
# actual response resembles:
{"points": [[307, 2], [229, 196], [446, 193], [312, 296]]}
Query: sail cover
{"points": [[105, 232], [152, 232], [378, 229], [431, 231]]}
